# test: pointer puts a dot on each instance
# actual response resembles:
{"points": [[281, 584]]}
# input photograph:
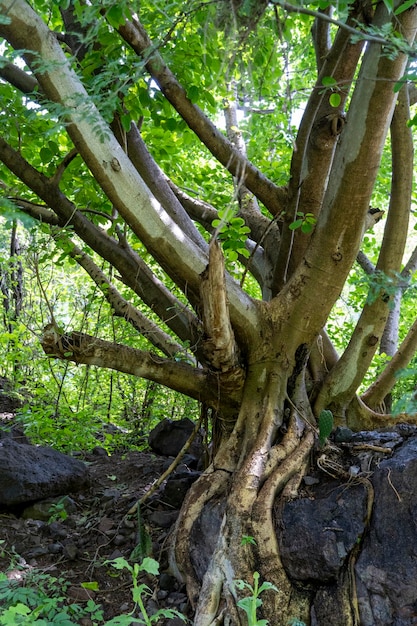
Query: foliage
{"points": [[39, 599]]}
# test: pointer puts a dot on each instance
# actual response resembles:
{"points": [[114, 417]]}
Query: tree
{"points": [[111, 128]]}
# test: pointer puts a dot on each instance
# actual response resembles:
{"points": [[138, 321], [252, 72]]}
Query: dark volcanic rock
{"points": [[318, 533], [177, 486], [168, 438], [204, 536], [29, 473], [386, 570]]}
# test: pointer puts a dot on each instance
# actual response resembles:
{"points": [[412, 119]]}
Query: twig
{"points": [[322, 16]]}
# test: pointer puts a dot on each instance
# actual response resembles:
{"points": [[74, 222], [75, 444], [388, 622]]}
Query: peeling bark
{"points": [[219, 343]]}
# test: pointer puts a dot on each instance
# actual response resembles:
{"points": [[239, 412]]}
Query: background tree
{"points": [[112, 139]]}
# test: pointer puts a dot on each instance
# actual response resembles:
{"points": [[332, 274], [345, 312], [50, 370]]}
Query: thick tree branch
{"points": [[359, 416], [18, 78], [316, 140], [177, 254], [263, 231], [357, 357], [156, 180], [265, 190], [219, 340], [82, 348], [107, 161], [37, 211], [193, 382]]}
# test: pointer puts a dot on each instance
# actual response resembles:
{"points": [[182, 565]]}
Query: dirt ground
{"points": [[75, 543]]}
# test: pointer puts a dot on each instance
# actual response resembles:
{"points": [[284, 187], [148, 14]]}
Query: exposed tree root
{"points": [[361, 417]]}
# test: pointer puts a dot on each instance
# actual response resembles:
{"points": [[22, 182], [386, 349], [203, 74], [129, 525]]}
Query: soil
{"points": [[75, 544]]}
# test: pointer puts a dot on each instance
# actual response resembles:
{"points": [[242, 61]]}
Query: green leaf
{"points": [[389, 5], [45, 154], [193, 93], [307, 227], [171, 613], [335, 100], [150, 566], [266, 586], [328, 81], [93, 585], [139, 591], [247, 603], [325, 425], [119, 563], [126, 121], [247, 539], [403, 7], [115, 15], [296, 224], [122, 620]]}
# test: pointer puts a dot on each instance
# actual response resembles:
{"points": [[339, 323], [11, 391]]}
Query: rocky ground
{"points": [[74, 540], [355, 512]]}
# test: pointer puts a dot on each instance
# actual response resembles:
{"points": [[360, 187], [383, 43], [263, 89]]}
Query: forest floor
{"points": [[69, 550]]}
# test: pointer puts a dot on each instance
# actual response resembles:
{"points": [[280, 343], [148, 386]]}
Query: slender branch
{"points": [[124, 309], [321, 38], [411, 265], [37, 211], [56, 178], [133, 270], [367, 265], [383, 385], [327, 18], [199, 210], [18, 78]]}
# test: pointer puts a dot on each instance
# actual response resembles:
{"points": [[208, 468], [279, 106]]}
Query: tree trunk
{"points": [[262, 462]]}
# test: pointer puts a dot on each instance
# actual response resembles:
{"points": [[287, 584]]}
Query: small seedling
{"points": [[139, 593], [58, 511], [39, 600], [251, 603], [247, 539]]}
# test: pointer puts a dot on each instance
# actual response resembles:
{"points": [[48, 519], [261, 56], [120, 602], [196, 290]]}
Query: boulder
{"points": [[177, 486], [317, 534], [386, 570], [29, 473], [169, 437]]}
